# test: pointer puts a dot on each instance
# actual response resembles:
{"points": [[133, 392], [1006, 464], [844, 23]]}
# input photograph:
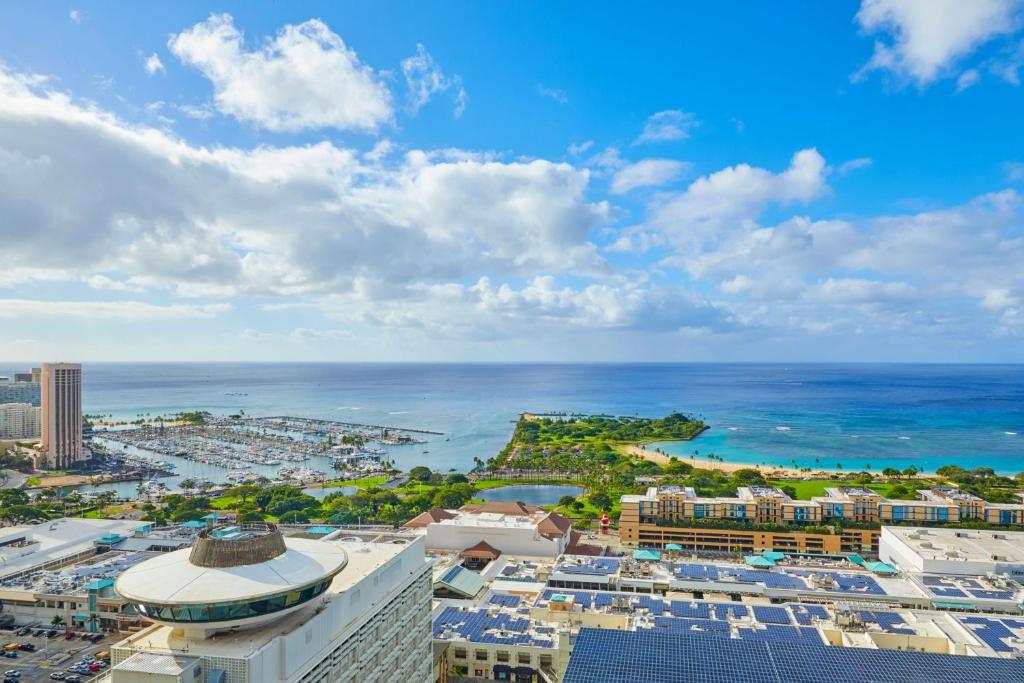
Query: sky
{"points": [[467, 181]]}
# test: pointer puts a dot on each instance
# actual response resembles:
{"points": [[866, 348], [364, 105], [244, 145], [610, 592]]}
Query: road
{"points": [[12, 479]]}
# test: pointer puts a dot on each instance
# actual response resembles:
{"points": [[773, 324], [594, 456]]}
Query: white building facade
{"points": [[964, 552], [371, 624], [19, 421]]}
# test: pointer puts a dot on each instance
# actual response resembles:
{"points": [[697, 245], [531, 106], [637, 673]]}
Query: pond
{"points": [[321, 493], [531, 494]]}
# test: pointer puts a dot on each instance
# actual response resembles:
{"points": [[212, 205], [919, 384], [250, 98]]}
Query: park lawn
{"points": [[225, 503], [363, 483]]}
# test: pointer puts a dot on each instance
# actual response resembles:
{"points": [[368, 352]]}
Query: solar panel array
{"points": [[890, 622], [955, 587], [505, 600], [683, 611], [861, 584], [482, 627], [805, 614], [592, 565], [771, 615], [680, 656], [994, 631]]}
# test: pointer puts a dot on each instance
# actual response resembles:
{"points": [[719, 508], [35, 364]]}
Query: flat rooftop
{"points": [[24, 548], [607, 656], [970, 545]]}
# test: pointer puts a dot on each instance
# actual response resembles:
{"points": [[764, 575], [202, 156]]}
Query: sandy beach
{"points": [[775, 471]]}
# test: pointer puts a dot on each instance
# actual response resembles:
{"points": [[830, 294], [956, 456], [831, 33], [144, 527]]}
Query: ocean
{"points": [[807, 415]]}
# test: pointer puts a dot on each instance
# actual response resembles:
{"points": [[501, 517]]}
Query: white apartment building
{"points": [[61, 388], [246, 605], [20, 421]]}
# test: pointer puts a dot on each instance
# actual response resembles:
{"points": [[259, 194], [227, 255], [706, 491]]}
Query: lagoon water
{"points": [[853, 415], [531, 494]]}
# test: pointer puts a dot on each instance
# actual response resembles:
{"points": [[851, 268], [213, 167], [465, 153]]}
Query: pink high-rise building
{"points": [[62, 414]]}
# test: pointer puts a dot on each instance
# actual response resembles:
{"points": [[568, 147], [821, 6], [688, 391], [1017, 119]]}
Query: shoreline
{"points": [[782, 472]]}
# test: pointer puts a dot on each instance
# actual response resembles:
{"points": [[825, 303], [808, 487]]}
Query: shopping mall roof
{"points": [[660, 656]]}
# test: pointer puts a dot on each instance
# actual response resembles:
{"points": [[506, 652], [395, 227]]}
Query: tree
{"points": [[601, 500], [566, 501], [457, 478], [891, 472], [57, 620], [294, 517], [420, 473]]}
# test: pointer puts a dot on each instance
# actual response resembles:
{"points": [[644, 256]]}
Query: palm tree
{"points": [[57, 620]]}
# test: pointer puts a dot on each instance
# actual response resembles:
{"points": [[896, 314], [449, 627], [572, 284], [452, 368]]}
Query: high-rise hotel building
{"points": [[62, 413]]}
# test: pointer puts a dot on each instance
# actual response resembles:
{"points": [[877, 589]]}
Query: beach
{"points": [[774, 471]]}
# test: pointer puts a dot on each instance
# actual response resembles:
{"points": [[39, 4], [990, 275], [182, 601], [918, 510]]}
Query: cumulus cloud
{"points": [[153, 64], [668, 125], [647, 173], [76, 17], [304, 78], [924, 39], [424, 79], [80, 189]]}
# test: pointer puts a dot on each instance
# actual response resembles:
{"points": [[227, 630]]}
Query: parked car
{"points": [[73, 678], [27, 647], [57, 676], [69, 635], [13, 654]]}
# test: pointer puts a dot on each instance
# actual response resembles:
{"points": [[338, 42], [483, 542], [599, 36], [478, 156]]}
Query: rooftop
{"points": [[968, 545], [608, 656], [24, 548]]}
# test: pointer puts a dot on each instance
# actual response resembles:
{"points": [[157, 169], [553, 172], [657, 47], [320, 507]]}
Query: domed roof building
{"points": [[232, 578]]}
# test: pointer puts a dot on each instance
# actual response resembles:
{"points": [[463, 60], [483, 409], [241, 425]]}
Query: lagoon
{"points": [[531, 494]]}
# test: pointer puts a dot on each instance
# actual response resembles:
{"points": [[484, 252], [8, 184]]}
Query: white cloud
{"points": [[76, 17], [646, 173], [134, 204], [304, 78], [848, 167], [127, 310], [424, 79], [967, 79], [1014, 170], [153, 64], [713, 206], [578, 149], [928, 37], [664, 126], [555, 94]]}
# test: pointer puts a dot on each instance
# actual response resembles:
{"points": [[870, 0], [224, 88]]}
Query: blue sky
{"points": [[518, 181]]}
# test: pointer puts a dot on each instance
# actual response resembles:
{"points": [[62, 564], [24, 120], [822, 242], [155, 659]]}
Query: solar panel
{"points": [[671, 656]]}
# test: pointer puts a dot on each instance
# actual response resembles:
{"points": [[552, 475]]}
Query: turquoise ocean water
{"points": [[885, 415]]}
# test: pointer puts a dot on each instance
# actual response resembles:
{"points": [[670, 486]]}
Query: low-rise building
{"points": [[971, 552], [765, 518], [511, 528]]}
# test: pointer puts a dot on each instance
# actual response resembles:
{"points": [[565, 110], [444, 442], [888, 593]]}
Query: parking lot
{"points": [[51, 655]]}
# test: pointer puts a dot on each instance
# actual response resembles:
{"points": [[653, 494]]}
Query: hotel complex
{"points": [[62, 414], [766, 518]]}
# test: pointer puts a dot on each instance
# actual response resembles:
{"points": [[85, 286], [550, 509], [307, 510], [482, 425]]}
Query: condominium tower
{"points": [[62, 413]]}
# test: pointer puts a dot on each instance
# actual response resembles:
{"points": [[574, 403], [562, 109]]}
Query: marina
{"points": [[227, 451]]}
